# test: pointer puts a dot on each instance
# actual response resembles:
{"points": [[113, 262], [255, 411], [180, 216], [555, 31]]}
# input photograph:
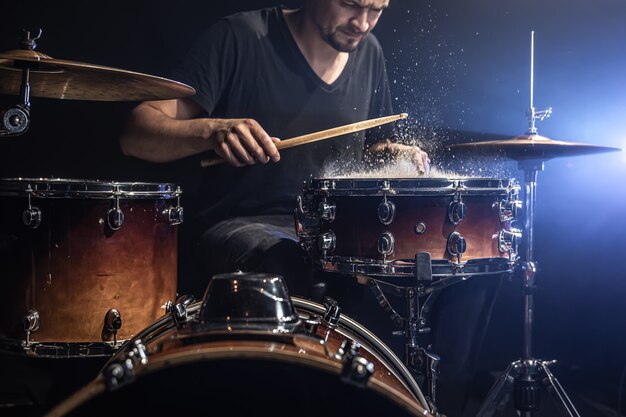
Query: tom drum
{"points": [[85, 264]]}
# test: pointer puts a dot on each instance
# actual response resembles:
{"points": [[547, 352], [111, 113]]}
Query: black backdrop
{"points": [[460, 68]]}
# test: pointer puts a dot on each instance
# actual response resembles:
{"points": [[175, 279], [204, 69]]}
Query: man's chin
{"points": [[344, 46]]}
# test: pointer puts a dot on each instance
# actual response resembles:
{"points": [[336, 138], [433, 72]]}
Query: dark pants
{"points": [[256, 244], [458, 320]]}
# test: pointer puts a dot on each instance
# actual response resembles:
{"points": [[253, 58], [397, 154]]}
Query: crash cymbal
{"points": [[526, 147], [60, 79]]}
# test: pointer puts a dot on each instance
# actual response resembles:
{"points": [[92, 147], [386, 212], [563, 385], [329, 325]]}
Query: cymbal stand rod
{"points": [[534, 115], [532, 128], [25, 88], [529, 267]]}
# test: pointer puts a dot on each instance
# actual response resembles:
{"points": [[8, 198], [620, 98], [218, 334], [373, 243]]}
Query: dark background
{"points": [[461, 70]]}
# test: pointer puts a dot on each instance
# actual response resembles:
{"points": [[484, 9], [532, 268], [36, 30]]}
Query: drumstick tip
{"points": [[404, 115]]}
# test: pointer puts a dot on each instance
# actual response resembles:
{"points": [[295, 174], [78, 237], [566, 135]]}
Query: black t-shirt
{"points": [[248, 65]]}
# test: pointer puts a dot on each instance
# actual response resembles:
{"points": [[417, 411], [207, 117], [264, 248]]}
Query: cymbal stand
{"points": [[15, 120], [524, 375]]}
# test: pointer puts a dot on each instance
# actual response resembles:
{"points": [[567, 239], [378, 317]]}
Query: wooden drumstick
{"points": [[322, 134]]}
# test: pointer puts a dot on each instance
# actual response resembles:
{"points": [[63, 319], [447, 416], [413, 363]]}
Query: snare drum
{"points": [[377, 227], [297, 358], [85, 264]]}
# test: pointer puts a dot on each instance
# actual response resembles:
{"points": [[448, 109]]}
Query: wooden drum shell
{"points": [[73, 268]]}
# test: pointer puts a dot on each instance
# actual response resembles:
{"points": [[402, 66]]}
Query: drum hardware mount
{"points": [[330, 319], [175, 214], [112, 324], [184, 309], [423, 363], [180, 309], [327, 242], [385, 245], [326, 210], [508, 209], [31, 216], [457, 246], [121, 372], [16, 119], [523, 376], [356, 369], [332, 313], [115, 216], [386, 211], [30, 323], [457, 210]]}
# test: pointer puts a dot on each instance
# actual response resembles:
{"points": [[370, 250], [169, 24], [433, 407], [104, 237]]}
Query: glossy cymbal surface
{"points": [[71, 80], [533, 147]]}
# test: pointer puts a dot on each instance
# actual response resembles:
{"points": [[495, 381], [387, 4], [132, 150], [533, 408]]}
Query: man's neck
{"points": [[326, 61]]}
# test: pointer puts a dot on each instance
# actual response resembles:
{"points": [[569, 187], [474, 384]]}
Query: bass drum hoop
{"points": [[371, 340], [402, 373]]}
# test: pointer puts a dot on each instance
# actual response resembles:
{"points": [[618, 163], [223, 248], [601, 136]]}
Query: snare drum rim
{"points": [[80, 188], [403, 268], [410, 186]]}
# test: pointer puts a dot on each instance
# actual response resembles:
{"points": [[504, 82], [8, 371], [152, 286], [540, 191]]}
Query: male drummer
{"points": [[263, 75], [259, 76]]}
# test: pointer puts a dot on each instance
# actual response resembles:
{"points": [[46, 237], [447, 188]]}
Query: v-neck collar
{"points": [[305, 64]]}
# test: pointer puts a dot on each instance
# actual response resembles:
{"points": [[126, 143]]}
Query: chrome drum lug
{"points": [[327, 241], [457, 211], [507, 240], [327, 210], [508, 210], [386, 212], [386, 244], [456, 245], [31, 217]]}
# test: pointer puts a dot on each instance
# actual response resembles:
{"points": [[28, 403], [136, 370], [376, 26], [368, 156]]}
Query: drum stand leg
{"points": [[522, 376], [423, 364]]}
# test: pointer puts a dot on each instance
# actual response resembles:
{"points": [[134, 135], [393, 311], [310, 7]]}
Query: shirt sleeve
{"points": [[209, 65]]}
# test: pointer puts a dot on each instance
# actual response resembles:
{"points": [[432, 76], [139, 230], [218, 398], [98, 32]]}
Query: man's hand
{"points": [[407, 152], [243, 142]]}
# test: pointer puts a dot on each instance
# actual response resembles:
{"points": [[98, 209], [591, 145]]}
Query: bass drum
{"points": [[323, 368]]}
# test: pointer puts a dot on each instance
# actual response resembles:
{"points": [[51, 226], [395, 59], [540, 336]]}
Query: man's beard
{"points": [[342, 46]]}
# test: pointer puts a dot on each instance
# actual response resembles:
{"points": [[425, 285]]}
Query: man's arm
{"points": [[167, 130]]}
